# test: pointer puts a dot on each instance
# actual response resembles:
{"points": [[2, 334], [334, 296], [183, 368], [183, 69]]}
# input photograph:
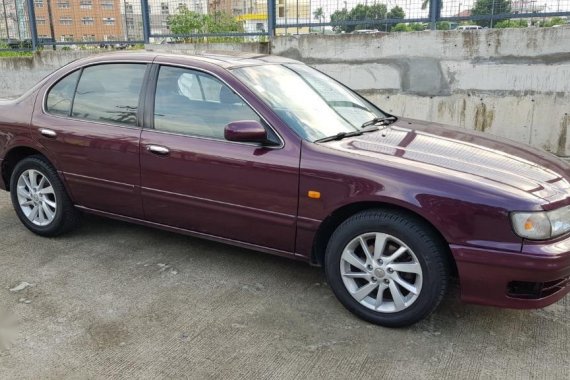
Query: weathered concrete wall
{"points": [[510, 82], [17, 74], [225, 48]]}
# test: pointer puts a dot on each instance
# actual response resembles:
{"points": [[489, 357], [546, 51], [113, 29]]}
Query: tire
{"points": [[409, 267], [51, 197]]}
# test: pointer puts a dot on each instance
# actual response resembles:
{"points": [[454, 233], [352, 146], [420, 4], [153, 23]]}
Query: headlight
{"points": [[543, 224]]}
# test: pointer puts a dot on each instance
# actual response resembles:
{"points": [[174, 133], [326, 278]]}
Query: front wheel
{"points": [[387, 267], [40, 199]]}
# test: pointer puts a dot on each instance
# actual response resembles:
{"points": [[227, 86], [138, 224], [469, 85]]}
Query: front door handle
{"points": [[48, 133], [157, 149]]}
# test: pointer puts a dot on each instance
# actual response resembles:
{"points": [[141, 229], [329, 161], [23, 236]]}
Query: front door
{"points": [[194, 179]]}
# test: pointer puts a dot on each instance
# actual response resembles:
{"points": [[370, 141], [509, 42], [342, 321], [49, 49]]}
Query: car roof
{"points": [[224, 60]]}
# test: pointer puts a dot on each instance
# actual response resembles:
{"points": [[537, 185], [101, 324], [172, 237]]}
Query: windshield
{"points": [[312, 104]]}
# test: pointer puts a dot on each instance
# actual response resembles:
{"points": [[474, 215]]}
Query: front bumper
{"points": [[534, 278]]}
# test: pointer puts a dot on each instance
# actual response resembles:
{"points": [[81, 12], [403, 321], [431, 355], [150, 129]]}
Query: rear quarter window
{"points": [[60, 96]]}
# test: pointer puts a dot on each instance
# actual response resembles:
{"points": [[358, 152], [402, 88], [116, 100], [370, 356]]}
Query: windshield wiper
{"points": [[380, 120], [342, 135], [339, 136]]}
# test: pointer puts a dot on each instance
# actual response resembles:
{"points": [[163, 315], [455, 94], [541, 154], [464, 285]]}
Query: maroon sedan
{"points": [[270, 154]]}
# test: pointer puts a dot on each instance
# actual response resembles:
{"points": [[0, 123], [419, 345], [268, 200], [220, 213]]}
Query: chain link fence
{"points": [[125, 24]]}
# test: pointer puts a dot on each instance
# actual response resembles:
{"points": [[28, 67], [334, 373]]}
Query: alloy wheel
{"points": [[36, 197], [381, 272]]}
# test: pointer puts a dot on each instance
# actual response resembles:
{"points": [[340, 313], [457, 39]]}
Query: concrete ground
{"points": [[115, 300]]}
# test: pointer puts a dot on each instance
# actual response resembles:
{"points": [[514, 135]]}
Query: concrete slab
{"points": [[114, 300]]}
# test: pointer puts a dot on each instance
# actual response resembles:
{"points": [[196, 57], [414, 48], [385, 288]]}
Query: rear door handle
{"points": [[157, 149], [48, 133]]}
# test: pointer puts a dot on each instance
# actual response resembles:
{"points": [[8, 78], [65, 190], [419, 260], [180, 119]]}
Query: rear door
{"points": [[90, 122], [194, 179]]}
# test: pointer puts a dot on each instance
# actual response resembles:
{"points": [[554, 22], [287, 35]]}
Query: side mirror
{"points": [[245, 131]]}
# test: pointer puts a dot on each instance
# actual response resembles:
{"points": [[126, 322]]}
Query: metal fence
{"points": [[122, 24]]}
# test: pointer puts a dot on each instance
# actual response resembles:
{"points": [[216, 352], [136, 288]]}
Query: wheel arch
{"points": [[338, 216], [15, 155]]}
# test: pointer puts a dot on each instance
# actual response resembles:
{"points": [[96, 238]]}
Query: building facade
{"points": [[80, 20]]}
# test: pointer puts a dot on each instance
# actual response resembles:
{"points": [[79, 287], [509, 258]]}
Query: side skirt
{"points": [[201, 235]]}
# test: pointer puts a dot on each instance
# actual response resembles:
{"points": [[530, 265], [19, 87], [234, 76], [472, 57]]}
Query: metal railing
{"points": [[122, 24]]}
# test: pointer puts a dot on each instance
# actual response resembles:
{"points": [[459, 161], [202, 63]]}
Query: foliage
{"points": [[187, 22], [488, 7], [443, 25], [553, 21], [337, 18], [417, 26], [372, 17], [319, 14], [401, 28], [9, 54], [396, 13], [412, 27], [511, 24]]}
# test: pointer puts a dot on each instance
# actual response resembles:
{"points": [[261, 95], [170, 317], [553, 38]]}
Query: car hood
{"points": [[473, 155]]}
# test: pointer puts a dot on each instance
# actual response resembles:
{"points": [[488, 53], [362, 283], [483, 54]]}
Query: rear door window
{"points": [[109, 93]]}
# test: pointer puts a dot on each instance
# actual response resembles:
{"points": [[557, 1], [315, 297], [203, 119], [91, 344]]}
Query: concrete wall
{"points": [[17, 74], [510, 82]]}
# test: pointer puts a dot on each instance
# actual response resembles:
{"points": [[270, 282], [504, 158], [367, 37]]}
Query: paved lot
{"points": [[114, 300]]}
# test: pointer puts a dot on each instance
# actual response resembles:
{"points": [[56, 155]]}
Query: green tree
{"points": [[372, 17], [488, 7], [221, 22], [185, 22], [319, 14], [396, 13], [188, 22], [337, 19]]}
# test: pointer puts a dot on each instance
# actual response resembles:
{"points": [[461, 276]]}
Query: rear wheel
{"points": [[39, 198], [387, 267]]}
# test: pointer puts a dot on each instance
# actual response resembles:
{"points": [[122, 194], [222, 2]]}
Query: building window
{"points": [[40, 20], [86, 4], [66, 21], [88, 21], [62, 4], [109, 21], [164, 9], [39, 3], [107, 5], [67, 38], [109, 38], [89, 37]]}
